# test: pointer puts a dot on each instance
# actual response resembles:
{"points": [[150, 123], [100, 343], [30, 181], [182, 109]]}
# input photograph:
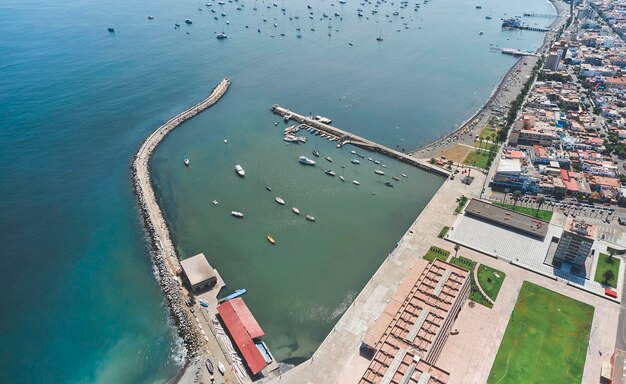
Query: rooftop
{"points": [[197, 269], [507, 218], [581, 228]]}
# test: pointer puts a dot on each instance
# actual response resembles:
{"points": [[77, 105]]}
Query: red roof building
{"points": [[243, 327]]}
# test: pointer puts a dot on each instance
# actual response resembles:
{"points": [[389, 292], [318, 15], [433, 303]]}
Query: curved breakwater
{"points": [[163, 253]]}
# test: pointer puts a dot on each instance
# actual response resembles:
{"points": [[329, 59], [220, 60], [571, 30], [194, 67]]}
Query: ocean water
{"points": [[79, 300]]}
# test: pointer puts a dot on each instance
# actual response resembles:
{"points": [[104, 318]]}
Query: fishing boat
{"points": [[209, 366], [268, 188], [221, 368], [271, 239], [186, 161], [221, 36], [388, 183], [310, 218], [279, 200], [355, 182], [305, 160], [215, 202], [342, 178], [188, 22], [240, 170], [237, 214], [329, 172], [379, 172], [355, 161], [111, 29], [295, 210], [291, 139], [329, 159], [316, 153]]}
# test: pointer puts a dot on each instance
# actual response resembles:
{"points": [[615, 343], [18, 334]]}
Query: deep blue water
{"points": [[79, 300]]}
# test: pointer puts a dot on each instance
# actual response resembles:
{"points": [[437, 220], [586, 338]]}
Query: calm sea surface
{"points": [[79, 302]]}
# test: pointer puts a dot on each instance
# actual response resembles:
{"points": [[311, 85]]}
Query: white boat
{"points": [[240, 170], [329, 159], [342, 178], [403, 175], [370, 159], [379, 172], [221, 368], [291, 139], [329, 172], [353, 152], [305, 160], [310, 218], [225, 141], [186, 160], [215, 202], [355, 182], [295, 210], [384, 166], [301, 139], [355, 161], [237, 214], [376, 162], [279, 200]]}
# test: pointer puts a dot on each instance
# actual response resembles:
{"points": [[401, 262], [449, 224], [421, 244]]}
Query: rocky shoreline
{"points": [[162, 251]]}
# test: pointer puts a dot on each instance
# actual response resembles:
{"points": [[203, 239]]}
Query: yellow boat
{"points": [[271, 239]]}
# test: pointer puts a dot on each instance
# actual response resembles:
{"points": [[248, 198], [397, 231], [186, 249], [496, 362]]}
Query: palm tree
{"points": [[506, 193], [540, 201], [607, 276], [611, 254], [456, 249], [516, 196]]}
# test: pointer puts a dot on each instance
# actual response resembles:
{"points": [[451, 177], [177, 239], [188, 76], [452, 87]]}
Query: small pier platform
{"points": [[532, 14], [343, 137], [514, 52]]}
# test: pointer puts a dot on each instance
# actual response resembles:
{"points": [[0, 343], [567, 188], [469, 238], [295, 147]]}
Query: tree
{"points": [[540, 201], [456, 249], [506, 193], [607, 276], [516, 196], [611, 254], [432, 160]]}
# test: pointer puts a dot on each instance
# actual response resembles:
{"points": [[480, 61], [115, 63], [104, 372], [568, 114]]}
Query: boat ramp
{"points": [[343, 137]]}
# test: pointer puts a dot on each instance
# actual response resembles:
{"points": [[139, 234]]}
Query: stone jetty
{"points": [[162, 250]]}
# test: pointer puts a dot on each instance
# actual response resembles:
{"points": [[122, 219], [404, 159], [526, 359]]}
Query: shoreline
{"points": [[162, 252], [440, 143]]}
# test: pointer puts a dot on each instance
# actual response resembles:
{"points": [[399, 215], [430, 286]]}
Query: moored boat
{"points": [[355, 182], [291, 139], [355, 161], [316, 153], [186, 161], [329, 172], [310, 218], [271, 239], [268, 188], [295, 210], [379, 172], [342, 178], [404, 175], [388, 183], [215, 202], [237, 214], [221, 368], [209, 366], [279, 200], [329, 159], [221, 36], [305, 160], [240, 170], [353, 152], [396, 178]]}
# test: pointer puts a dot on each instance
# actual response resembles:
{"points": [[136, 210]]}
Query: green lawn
{"points": [[443, 232], [490, 280], [546, 339], [475, 294], [478, 159], [603, 265], [543, 214], [487, 132], [436, 253]]}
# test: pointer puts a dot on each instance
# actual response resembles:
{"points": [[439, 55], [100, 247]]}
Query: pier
{"points": [[344, 137], [163, 252], [528, 28], [514, 52], [532, 14]]}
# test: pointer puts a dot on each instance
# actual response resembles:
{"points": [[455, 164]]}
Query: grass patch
{"points": [[546, 339], [490, 280], [436, 253], [461, 203], [542, 214], [487, 133], [605, 263], [475, 294], [479, 159], [444, 231]]}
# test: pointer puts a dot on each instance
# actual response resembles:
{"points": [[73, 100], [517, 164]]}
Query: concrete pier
{"points": [[348, 138], [163, 252]]}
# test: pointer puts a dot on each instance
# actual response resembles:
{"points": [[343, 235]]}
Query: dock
{"points": [[343, 137], [532, 14], [514, 52], [529, 28]]}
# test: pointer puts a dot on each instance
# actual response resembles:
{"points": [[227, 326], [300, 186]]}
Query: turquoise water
{"points": [[79, 301]]}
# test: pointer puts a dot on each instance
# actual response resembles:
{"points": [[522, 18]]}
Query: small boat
{"points": [[221, 368], [370, 159], [481, 33], [237, 214], [271, 239], [383, 165], [388, 183], [188, 22], [279, 200], [186, 161], [203, 303], [310, 218], [404, 175], [301, 139], [295, 210], [291, 139], [150, 17], [395, 178], [225, 141], [305, 160], [316, 153], [209, 366], [111, 29], [355, 182], [361, 156], [329, 172], [215, 202], [376, 162], [240, 170], [479, 7], [268, 188], [329, 159], [379, 172], [221, 36], [342, 178], [355, 161], [353, 152]]}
